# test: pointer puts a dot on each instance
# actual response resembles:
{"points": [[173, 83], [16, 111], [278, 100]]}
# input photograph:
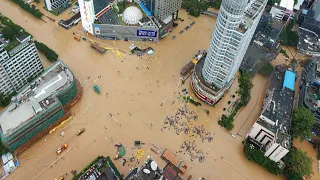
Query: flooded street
{"points": [[132, 90]]}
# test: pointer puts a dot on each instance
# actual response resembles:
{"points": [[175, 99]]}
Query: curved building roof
{"points": [[132, 15]]}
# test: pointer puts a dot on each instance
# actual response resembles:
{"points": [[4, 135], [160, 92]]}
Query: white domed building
{"points": [[127, 19], [132, 15]]}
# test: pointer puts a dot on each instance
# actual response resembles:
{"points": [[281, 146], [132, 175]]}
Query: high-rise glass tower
{"points": [[235, 26]]}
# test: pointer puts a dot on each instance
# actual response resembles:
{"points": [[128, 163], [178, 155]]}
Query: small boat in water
{"points": [[96, 89]]}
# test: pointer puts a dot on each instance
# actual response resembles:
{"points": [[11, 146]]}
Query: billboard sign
{"points": [[147, 33]]}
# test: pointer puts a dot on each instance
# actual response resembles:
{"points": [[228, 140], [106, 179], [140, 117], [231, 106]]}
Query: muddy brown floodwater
{"points": [[132, 91]]}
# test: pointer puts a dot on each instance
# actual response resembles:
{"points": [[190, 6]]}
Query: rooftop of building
{"points": [[23, 37], [99, 5], [255, 56], [308, 41], [310, 23], [288, 4], [35, 98], [101, 169], [298, 4], [279, 108], [254, 9], [309, 92], [274, 27], [149, 170], [171, 172], [130, 14], [69, 21]]}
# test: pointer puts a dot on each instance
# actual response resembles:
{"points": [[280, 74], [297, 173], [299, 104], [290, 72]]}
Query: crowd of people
{"points": [[184, 122], [190, 148]]}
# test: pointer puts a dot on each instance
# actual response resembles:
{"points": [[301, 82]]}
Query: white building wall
{"points": [[87, 15], [5, 84], [48, 4], [262, 135], [23, 65], [276, 152], [53, 4]]}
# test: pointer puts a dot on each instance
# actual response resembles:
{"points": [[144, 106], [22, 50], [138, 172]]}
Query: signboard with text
{"points": [[147, 33]]}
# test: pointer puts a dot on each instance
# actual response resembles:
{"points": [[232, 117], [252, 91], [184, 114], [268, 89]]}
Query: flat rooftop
{"points": [[146, 172], [111, 17], [288, 4], [99, 5], [35, 98], [308, 41], [23, 36], [253, 10], [280, 108]]}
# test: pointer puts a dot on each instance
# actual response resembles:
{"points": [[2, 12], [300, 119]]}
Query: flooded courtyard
{"points": [[139, 97]]}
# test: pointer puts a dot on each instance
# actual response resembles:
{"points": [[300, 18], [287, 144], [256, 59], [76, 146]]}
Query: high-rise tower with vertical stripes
{"points": [[236, 24]]}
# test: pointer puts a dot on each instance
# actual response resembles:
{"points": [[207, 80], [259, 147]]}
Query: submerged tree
{"points": [[302, 122], [298, 165]]}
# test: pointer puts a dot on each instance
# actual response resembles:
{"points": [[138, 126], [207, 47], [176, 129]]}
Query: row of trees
{"points": [[302, 122], [226, 122], [49, 53], [5, 100], [35, 12], [298, 165], [195, 7], [214, 3], [256, 155], [288, 36], [3, 149], [245, 86]]}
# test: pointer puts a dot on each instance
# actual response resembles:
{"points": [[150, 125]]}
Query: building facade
{"points": [[103, 19], [87, 15], [5, 84], [56, 6], [283, 11], [235, 27], [114, 32], [309, 89], [37, 106], [165, 8], [316, 9], [19, 64], [309, 31], [271, 132]]}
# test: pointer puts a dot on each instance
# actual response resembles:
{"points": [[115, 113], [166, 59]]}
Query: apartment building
{"points": [[18, 64], [164, 8], [57, 6]]}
